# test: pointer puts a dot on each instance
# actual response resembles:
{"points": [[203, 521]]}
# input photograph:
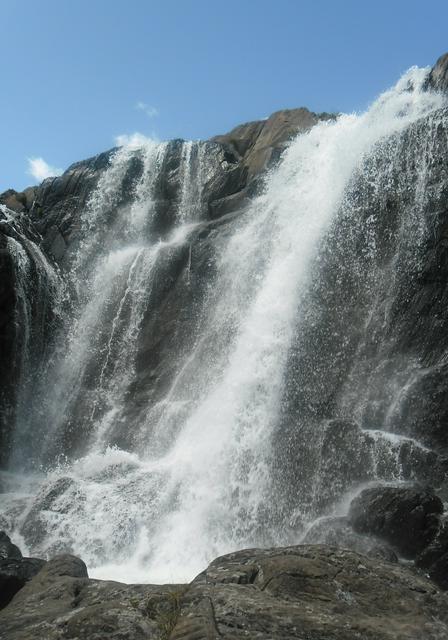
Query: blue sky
{"points": [[75, 74]]}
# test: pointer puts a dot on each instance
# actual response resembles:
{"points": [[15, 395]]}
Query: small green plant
{"points": [[164, 610]]}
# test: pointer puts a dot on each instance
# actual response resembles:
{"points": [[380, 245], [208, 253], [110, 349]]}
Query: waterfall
{"points": [[230, 451]]}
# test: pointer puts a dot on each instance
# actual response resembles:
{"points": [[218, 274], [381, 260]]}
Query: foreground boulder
{"points": [[407, 518], [14, 574], [61, 602], [310, 592], [15, 570], [318, 592]]}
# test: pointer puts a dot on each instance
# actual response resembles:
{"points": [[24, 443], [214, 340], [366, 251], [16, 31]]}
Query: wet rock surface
{"points": [[34, 526], [407, 518], [392, 524], [15, 570], [337, 531], [315, 592], [14, 574], [434, 558], [7, 548], [27, 311]]}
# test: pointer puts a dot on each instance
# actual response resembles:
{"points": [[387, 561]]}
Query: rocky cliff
{"points": [[118, 304]]}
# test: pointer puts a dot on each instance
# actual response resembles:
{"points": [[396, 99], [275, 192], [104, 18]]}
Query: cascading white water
{"points": [[160, 513], [193, 177]]}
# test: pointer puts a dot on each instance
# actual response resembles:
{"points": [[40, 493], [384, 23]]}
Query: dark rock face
{"points": [[19, 202], [55, 205], [59, 201], [34, 527], [337, 532], [406, 518], [438, 78], [238, 157], [27, 311], [370, 341], [258, 144], [9, 338], [304, 592], [15, 570], [14, 574], [7, 548], [434, 558], [379, 311], [325, 459]]}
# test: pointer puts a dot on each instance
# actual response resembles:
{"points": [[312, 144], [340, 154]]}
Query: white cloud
{"points": [[147, 109], [134, 140], [39, 169]]}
